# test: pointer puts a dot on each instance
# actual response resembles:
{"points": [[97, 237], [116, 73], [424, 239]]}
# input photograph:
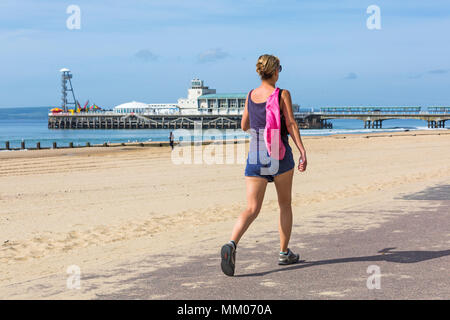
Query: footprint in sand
{"points": [[74, 235]]}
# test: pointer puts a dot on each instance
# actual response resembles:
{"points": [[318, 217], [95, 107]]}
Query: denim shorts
{"points": [[267, 167]]}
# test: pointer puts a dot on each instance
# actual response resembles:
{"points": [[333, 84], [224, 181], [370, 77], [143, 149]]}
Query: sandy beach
{"points": [[106, 209]]}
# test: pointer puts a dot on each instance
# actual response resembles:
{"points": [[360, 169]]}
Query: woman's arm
{"points": [[245, 122], [292, 127]]}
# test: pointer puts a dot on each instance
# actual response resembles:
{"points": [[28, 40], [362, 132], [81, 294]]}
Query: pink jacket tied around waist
{"points": [[272, 131]]}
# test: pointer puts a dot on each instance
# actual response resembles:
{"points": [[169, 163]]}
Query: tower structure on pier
{"points": [[189, 105], [67, 90]]}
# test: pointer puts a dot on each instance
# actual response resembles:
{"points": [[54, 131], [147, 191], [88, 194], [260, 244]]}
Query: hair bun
{"points": [[267, 65]]}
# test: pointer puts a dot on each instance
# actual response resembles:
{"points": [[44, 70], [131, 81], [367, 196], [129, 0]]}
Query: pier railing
{"points": [[375, 118], [114, 120], [446, 111], [372, 117]]}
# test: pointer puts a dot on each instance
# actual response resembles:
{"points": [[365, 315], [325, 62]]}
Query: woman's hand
{"points": [[302, 162], [291, 125]]}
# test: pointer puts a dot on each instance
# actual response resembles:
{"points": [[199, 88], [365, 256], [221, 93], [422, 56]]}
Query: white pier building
{"points": [[145, 108], [200, 100]]}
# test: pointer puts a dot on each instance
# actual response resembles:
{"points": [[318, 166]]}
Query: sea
{"points": [[29, 124]]}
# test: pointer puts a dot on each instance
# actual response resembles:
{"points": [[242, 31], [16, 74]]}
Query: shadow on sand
{"points": [[384, 255]]}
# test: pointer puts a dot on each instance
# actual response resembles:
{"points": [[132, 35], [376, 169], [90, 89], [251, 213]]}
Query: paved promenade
{"points": [[411, 251]]}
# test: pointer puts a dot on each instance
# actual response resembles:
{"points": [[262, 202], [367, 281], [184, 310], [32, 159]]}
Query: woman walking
{"points": [[264, 166]]}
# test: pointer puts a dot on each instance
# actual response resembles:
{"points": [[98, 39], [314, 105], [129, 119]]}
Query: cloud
{"points": [[212, 55], [438, 71], [145, 55], [351, 76], [431, 72]]}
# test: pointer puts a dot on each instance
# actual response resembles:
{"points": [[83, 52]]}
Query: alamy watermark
{"points": [[73, 281], [374, 280], [374, 20], [213, 146], [73, 22]]}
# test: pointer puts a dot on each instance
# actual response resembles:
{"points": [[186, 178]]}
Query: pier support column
{"points": [[375, 124], [324, 123], [432, 124]]}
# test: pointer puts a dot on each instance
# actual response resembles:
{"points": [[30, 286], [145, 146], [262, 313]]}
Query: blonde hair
{"points": [[267, 65]]}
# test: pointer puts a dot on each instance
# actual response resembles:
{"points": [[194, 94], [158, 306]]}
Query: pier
{"points": [[373, 117], [113, 120]]}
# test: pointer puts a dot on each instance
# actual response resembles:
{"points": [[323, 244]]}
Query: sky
{"points": [[149, 50]]}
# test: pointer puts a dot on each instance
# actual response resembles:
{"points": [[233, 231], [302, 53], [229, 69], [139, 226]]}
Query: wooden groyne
{"points": [[111, 120], [71, 145]]}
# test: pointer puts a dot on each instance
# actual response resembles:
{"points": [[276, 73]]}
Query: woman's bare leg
{"points": [[283, 184], [256, 188]]}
